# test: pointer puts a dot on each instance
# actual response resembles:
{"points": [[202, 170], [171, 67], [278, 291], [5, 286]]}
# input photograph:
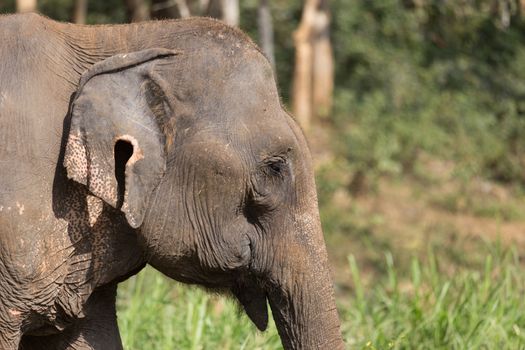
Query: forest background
{"points": [[415, 114]]}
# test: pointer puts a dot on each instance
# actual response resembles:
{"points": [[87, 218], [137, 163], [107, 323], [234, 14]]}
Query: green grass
{"points": [[432, 308], [157, 313]]}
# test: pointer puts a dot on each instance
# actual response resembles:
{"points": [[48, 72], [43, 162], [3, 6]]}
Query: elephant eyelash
{"points": [[262, 197], [276, 166]]}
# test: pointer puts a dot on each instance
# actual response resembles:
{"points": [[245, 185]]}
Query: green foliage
{"points": [[7, 7], [443, 78], [476, 205], [99, 12]]}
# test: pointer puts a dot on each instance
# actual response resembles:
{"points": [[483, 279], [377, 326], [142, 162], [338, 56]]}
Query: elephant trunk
{"points": [[302, 300]]}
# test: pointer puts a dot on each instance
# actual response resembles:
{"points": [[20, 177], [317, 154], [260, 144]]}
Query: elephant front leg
{"points": [[98, 330]]}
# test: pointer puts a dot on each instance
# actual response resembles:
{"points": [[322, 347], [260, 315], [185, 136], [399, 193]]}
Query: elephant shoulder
{"points": [[18, 28], [29, 46]]}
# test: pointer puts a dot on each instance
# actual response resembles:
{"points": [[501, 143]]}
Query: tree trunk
{"points": [[137, 10], [313, 76], [214, 8], [230, 12], [25, 6], [265, 29], [504, 13], [203, 7], [225, 10], [302, 80], [163, 9], [184, 10], [323, 66], [80, 12]]}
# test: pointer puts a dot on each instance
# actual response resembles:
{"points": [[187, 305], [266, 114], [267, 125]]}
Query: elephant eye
{"points": [[267, 192], [276, 165]]}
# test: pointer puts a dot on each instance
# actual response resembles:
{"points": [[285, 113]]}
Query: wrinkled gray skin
{"points": [[159, 143]]}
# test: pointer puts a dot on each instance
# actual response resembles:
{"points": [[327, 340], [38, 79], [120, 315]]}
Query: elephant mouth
{"points": [[253, 299]]}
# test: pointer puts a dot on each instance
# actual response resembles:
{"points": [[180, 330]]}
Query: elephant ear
{"points": [[120, 121]]}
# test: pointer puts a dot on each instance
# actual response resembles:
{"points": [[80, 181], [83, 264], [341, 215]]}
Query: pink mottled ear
{"points": [[76, 159], [86, 169], [116, 142]]}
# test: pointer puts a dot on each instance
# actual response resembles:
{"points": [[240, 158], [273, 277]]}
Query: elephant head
{"points": [[195, 149]]}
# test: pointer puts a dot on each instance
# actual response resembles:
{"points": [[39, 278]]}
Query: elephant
{"points": [[161, 143]]}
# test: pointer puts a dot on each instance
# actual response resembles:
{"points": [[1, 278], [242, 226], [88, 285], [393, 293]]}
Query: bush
{"points": [[443, 78]]}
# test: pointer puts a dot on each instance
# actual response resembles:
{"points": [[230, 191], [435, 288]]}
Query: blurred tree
{"points": [[230, 12], [265, 30], [25, 5], [213, 8], [313, 76], [162, 9], [80, 11], [226, 10], [184, 10], [503, 10], [203, 6], [323, 63], [137, 10], [302, 81]]}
